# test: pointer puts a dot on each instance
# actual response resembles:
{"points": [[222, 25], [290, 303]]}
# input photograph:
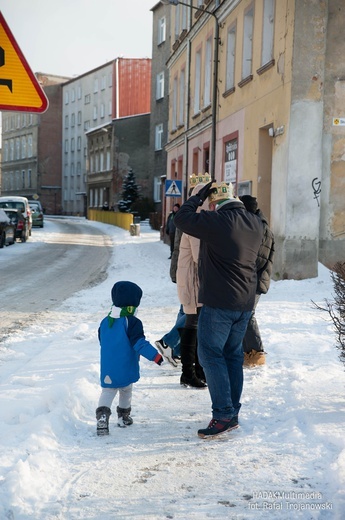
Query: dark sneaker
{"points": [[123, 417], [216, 427], [193, 381], [166, 352]]}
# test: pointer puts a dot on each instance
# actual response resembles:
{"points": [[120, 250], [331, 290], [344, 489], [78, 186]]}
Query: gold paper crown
{"points": [[224, 191], [201, 178]]}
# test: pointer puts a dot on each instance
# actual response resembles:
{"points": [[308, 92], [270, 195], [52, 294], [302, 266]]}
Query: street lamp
{"points": [[215, 77]]}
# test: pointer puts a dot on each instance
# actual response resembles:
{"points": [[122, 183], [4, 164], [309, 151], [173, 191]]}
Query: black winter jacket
{"points": [[265, 258], [230, 240]]}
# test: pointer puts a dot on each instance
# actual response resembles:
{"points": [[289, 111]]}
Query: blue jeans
{"points": [[172, 338], [220, 335]]}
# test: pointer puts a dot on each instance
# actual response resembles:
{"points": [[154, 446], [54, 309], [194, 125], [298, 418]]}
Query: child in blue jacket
{"points": [[122, 342]]}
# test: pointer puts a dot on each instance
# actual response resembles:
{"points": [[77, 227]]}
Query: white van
{"points": [[20, 203]]}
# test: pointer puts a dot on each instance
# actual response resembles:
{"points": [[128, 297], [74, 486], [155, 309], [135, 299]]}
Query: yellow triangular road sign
{"points": [[19, 88]]}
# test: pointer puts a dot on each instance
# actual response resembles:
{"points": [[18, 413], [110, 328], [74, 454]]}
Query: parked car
{"points": [[20, 203], [7, 230], [19, 222], [37, 213]]}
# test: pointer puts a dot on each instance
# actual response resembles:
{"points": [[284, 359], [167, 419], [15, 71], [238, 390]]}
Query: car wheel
{"points": [[2, 240]]}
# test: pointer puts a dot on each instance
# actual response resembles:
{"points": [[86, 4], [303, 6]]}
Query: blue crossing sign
{"points": [[173, 188]]}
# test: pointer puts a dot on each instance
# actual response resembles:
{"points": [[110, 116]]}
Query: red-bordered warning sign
{"points": [[19, 88]]}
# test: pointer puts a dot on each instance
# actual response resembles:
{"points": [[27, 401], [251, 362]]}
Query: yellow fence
{"points": [[122, 220]]}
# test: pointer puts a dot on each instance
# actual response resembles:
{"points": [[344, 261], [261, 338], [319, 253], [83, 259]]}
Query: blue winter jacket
{"points": [[122, 344]]}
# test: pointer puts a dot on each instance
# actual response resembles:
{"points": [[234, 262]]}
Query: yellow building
{"points": [[257, 97]]}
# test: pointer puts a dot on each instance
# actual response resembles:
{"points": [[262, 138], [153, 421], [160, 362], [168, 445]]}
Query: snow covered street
{"points": [[287, 459]]}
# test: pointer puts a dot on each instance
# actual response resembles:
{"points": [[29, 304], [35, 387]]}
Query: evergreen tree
{"points": [[130, 192]]}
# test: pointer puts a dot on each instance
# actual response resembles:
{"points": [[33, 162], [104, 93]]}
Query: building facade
{"points": [[161, 45], [256, 94], [113, 150], [119, 88], [31, 159]]}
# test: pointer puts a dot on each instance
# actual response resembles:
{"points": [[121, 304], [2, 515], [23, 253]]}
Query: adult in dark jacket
{"points": [[254, 353], [170, 228], [230, 238]]}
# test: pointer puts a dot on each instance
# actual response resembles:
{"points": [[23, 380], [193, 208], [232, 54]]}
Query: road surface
{"points": [[67, 255]]}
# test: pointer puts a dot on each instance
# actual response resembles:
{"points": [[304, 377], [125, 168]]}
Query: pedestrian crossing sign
{"points": [[173, 188], [19, 87]]}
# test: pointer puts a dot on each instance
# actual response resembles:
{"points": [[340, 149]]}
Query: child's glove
{"points": [[158, 359]]}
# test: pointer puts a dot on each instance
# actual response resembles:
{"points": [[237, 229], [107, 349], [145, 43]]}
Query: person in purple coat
{"points": [[122, 341]]}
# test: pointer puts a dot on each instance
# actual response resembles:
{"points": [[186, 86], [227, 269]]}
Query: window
{"points": [[79, 143], [29, 145], [181, 97], [72, 144], [17, 148], [267, 32], [102, 114], [108, 160], [23, 147], [29, 179], [86, 125], [174, 104], [94, 113], [161, 30], [103, 82], [79, 92], [72, 95], [66, 97], [23, 178], [248, 43], [101, 164], [87, 99], [208, 72], [66, 145], [6, 151], [72, 120], [157, 189], [95, 85], [177, 21], [230, 58], [197, 82], [160, 85], [79, 117], [66, 121], [158, 136]]}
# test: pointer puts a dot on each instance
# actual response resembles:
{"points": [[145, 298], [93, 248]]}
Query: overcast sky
{"points": [[70, 37]]}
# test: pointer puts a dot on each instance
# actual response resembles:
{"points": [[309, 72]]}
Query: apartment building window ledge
{"points": [[159, 100], [265, 67], [173, 131], [183, 35], [207, 107], [180, 126], [176, 45], [229, 92], [246, 80], [199, 13], [196, 115]]}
